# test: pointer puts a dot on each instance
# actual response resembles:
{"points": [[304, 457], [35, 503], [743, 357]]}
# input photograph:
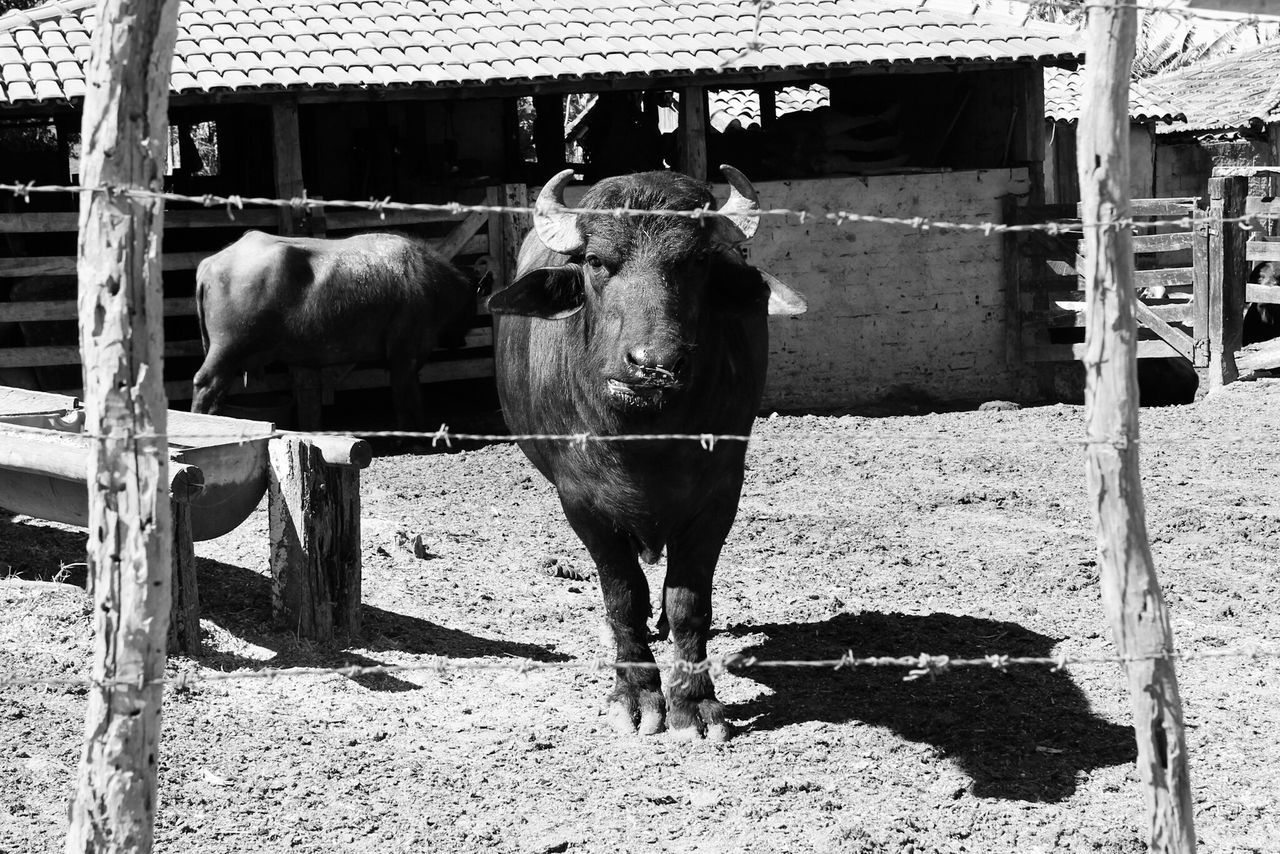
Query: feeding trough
{"points": [[218, 465], [218, 471]]}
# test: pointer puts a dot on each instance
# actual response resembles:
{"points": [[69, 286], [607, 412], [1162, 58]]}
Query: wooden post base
{"points": [[314, 510], [184, 612]]}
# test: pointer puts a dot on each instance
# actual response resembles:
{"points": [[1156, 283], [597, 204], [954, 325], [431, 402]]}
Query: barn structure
{"points": [[1149, 112], [466, 100]]}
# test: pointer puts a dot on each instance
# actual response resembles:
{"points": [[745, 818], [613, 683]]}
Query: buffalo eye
{"points": [[594, 262]]}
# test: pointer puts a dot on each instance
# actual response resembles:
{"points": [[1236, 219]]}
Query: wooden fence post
{"points": [[1130, 590], [126, 136], [313, 511], [184, 619], [1200, 298], [507, 231], [1228, 272]]}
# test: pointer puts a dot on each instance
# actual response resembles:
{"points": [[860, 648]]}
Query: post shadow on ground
{"points": [[239, 601], [1020, 735]]}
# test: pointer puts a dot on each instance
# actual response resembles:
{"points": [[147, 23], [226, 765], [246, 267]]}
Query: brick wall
{"points": [[891, 310]]}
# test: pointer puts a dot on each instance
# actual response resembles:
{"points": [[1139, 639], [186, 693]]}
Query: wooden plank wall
{"points": [[38, 340]]}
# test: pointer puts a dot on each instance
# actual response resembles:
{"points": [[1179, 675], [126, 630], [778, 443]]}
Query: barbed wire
{"points": [[444, 437], [305, 204], [920, 665]]}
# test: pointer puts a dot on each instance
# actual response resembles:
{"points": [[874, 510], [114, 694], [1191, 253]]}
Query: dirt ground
{"points": [[959, 533]]}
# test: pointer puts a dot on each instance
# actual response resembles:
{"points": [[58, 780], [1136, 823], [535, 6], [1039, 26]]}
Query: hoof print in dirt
{"points": [[558, 567], [999, 406]]}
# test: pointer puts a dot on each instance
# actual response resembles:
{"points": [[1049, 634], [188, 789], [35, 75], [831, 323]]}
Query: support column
{"points": [[314, 517], [693, 132], [287, 152]]}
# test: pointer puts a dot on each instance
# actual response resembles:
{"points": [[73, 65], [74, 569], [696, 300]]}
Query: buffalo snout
{"points": [[658, 365]]}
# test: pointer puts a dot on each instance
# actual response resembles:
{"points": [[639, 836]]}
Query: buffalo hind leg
{"points": [[406, 390], [693, 709], [210, 384], [636, 701]]}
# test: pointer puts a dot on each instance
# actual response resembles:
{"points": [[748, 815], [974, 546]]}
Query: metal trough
{"points": [[217, 466]]}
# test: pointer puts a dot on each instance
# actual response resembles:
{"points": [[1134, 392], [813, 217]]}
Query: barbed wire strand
{"points": [[1247, 222], [919, 665], [445, 437]]}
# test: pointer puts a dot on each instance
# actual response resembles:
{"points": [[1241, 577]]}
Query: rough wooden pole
{"points": [[125, 135], [1130, 591]]}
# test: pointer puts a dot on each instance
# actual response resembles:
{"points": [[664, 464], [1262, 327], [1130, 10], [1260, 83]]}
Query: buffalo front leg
{"points": [[636, 701], [691, 563], [406, 390]]}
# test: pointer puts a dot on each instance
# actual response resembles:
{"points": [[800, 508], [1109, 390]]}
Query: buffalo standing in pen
{"points": [[642, 324], [311, 302]]}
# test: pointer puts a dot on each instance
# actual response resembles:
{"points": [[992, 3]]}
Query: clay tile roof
{"points": [[249, 45], [1237, 92], [727, 105], [1146, 104]]}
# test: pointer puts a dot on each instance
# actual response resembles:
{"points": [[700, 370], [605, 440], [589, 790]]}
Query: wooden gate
{"points": [[1180, 272]]}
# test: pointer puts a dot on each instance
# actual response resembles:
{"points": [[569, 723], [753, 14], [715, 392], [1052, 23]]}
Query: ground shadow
{"points": [[1021, 735], [238, 600]]}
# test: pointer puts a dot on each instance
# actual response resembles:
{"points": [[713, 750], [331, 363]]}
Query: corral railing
{"points": [[39, 345], [1264, 241], [1183, 264]]}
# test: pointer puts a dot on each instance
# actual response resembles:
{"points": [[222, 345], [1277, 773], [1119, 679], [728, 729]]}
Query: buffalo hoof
{"points": [[691, 721], [641, 711]]}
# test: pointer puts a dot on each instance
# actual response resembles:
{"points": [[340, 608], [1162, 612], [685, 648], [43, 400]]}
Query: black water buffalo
{"points": [[1262, 319], [311, 302], [646, 324]]}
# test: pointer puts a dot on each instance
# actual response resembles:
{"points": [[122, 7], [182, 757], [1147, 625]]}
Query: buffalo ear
{"points": [[740, 287], [552, 293], [782, 298]]}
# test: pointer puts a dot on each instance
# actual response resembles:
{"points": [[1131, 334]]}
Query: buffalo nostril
{"points": [[652, 360]]}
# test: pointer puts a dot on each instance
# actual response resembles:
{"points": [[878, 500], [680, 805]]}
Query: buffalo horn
{"points": [[743, 202], [556, 227]]}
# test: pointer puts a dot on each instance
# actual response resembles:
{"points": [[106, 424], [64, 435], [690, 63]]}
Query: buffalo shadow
{"points": [[238, 601], [1021, 734]]}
